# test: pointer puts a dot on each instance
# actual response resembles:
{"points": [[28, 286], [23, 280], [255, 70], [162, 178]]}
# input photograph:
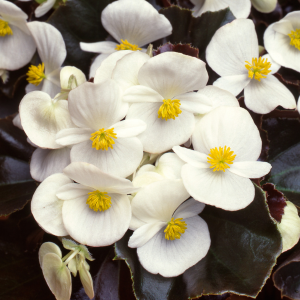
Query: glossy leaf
{"points": [[244, 249]]}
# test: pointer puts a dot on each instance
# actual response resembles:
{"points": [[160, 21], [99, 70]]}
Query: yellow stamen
{"points": [[259, 68], [170, 109], [174, 229], [36, 74], [98, 201], [125, 45], [219, 158], [103, 139], [5, 29], [295, 38]]}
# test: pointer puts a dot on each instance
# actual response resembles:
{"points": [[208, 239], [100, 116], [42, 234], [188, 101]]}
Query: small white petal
{"points": [[250, 169], [188, 209], [43, 8], [274, 66], [73, 191], [140, 93], [71, 136], [264, 6], [106, 47], [97, 63], [66, 73], [129, 128], [48, 247]]}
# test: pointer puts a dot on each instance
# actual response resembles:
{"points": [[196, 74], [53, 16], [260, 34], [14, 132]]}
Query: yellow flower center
{"points": [[220, 158], [125, 45], [169, 109], [98, 201], [36, 74], [175, 229], [295, 38], [259, 68], [5, 29], [103, 139]]}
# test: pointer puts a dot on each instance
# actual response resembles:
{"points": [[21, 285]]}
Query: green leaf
{"points": [[245, 246], [79, 21], [197, 31]]}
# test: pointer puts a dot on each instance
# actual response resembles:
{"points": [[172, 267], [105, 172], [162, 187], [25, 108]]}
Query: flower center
{"points": [[103, 139], [36, 74], [169, 109], [125, 45], [174, 229], [259, 68], [5, 29], [220, 158], [295, 38], [98, 201]]}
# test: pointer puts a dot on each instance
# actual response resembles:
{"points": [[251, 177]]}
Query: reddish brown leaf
{"points": [[186, 49]]}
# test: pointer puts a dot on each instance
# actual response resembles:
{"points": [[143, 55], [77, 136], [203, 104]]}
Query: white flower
{"points": [[264, 6], [282, 41], [101, 139], [94, 211], [169, 235], [52, 52], [240, 8], [164, 99], [16, 44], [233, 54], [227, 144], [132, 23]]}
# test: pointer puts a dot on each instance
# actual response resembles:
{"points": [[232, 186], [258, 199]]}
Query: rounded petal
{"points": [[100, 228], [146, 24], [17, 121], [46, 248], [43, 8], [232, 45], [264, 96], [264, 6], [141, 180], [97, 63], [51, 85], [172, 74], [171, 258], [106, 47], [129, 128], [250, 169], [221, 189], [45, 162], [46, 207], [228, 126], [161, 135], [188, 209], [66, 73], [169, 165], [42, 118]]}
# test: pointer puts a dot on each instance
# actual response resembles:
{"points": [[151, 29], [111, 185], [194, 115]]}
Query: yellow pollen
{"points": [[175, 229], [169, 109], [98, 201], [259, 68], [125, 45], [220, 158], [5, 29], [295, 38], [36, 74], [103, 139]]}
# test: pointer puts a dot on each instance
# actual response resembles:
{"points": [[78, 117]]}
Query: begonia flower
{"points": [[164, 99], [94, 211], [52, 52], [169, 235], [242, 69], [16, 43], [264, 6], [133, 24], [227, 145], [240, 8], [101, 139], [282, 41]]}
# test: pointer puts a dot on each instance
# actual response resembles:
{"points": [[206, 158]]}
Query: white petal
{"points": [[90, 176], [192, 157], [42, 118], [233, 84], [188, 209], [71, 136], [274, 66], [105, 70], [87, 281], [172, 258], [51, 85], [232, 45], [140, 93], [283, 26], [264, 96], [100, 228], [11, 11], [250, 169], [50, 45], [106, 47], [221, 189], [97, 63], [67, 72], [122, 160], [46, 248], [129, 128], [72, 191], [17, 121], [228, 126], [136, 21], [46, 207], [172, 74], [141, 180], [45, 162], [264, 6], [43, 8], [161, 135], [96, 106]]}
